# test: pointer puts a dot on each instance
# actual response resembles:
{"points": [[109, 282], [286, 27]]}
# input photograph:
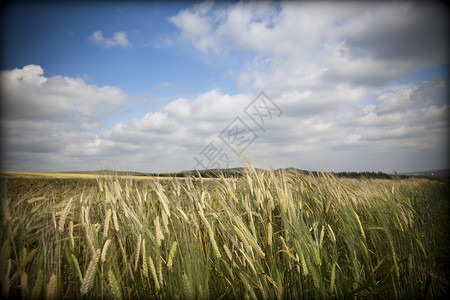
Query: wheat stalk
{"points": [[144, 261], [90, 274], [71, 239], [247, 285], [173, 249], [243, 239], [24, 285], [38, 284], [333, 237], [52, 288], [162, 197], [359, 223], [77, 267], [250, 263], [89, 238], [117, 189], [62, 220], [138, 249], [187, 288], [106, 223], [115, 287], [153, 271], [316, 256], [227, 252], [211, 236], [115, 222], [302, 257], [165, 222], [256, 247], [159, 234], [6, 281], [159, 267], [105, 250], [322, 232], [333, 277], [6, 215], [394, 258], [315, 276]]}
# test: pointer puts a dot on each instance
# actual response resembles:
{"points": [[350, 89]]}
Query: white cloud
{"points": [[307, 135], [120, 38], [322, 63], [47, 115], [312, 44], [163, 85], [29, 95]]}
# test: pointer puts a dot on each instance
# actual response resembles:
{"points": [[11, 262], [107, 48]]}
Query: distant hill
{"points": [[107, 172], [238, 172], [439, 172]]}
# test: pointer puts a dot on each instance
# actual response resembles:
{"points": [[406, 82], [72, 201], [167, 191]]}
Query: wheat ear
{"points": [[72, 241], [38, 284], [24, 285], [106, 224], [90, 273], [62, 220], [153, 270], [52, 288], [105, 250], [173, 249], [159, 234], [187, 288], [115, 287], [138, 249], [144, 261]]}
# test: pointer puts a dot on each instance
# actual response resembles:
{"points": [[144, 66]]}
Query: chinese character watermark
{"points": [[238, 136], [214, 156], [262, 108]]}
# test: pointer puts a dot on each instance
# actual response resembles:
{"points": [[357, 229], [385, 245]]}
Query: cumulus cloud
{"points": [[29, 95], [313, 44], [120, 38], [362, 135], [48, 114], [169, 137], [327, 64]]}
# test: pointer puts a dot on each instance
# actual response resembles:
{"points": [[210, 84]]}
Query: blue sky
{"points": [[59, 37], [148, 86]]}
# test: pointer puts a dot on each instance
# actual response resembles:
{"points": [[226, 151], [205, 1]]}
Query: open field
{"points": [[90, 175], [269, 235], [56, 175]]}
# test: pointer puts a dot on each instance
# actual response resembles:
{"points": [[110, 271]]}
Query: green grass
{"points": [[267, 235]]}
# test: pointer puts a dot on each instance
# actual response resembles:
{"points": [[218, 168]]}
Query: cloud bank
{"points": [[313, 45], [54, 122]]}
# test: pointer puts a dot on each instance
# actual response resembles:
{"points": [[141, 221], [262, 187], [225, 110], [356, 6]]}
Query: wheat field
{"points": [[266, 235]]}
